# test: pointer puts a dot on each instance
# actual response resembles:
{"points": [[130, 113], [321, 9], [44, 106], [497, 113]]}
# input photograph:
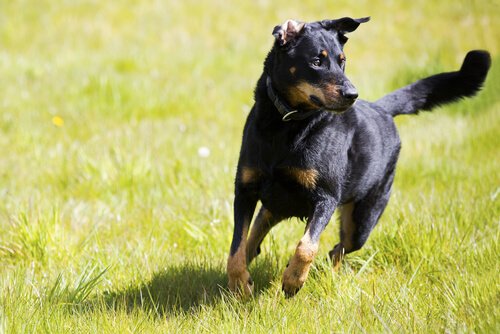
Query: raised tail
{"points": [[441, 88]]}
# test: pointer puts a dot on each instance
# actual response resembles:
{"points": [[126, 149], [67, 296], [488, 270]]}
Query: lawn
{"points": [[120, 125]]}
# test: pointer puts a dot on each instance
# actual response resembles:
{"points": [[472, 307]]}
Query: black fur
{"points": [[352, 147], [441, 88]]}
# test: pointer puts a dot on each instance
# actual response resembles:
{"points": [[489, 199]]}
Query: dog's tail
{"points": [[441, 88]]}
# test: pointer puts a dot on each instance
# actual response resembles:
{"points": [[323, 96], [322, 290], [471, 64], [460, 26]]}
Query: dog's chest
{"points": [[284, 169], [286, 191], [284, 184]]}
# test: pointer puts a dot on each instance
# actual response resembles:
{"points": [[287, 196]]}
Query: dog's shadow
{"points": [[184, 287]]}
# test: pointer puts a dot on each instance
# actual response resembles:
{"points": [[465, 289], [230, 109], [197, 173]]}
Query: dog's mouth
{"points": [[338, 109]]}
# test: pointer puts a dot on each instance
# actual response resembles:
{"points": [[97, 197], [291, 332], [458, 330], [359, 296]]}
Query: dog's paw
{"points": [[294, 277], [241, 284], [289, 291], [337, 255], [298, 267]]}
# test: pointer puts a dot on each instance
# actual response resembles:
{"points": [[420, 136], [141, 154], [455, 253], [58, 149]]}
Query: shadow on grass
{"points": [[184, 287]]}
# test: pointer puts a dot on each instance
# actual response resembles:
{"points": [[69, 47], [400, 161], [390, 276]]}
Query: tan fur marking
{"points": [[324, 53], [347, 231], [267, 215], [300, 95], [261, 226], [305, 177], [331, 91], [239, 277], [348, 227], [237, 263], [342, 56], [249, 175], [292, 69], [298, 268], [306, 250], [337, 255]]}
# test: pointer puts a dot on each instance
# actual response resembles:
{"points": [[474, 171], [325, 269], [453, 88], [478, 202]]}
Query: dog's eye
{"points": [[316, 62]]}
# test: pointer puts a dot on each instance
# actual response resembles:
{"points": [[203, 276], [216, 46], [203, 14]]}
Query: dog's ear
{"points": [[345, 24], [287, 31]]}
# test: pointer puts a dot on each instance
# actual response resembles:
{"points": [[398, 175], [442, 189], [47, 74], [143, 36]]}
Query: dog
{"points": [[308, 148]]}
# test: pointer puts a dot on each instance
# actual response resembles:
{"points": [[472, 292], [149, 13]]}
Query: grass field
{"points": [[120, 125]]}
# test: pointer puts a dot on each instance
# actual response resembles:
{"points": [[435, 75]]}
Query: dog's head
{"points": [[308, 64]]}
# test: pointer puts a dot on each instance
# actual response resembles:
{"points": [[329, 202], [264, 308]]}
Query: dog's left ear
{"points": [[287, 31], [345, 24]]}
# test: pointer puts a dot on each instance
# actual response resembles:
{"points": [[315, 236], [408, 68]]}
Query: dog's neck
{"points": [[287, 113], [268, 96]]}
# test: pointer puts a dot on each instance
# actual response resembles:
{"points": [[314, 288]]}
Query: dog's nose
{"points": [[350, 93]]}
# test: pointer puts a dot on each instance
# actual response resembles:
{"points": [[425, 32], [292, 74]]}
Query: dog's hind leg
{"points": [[262, 224], [358, 220], [346, 231]]}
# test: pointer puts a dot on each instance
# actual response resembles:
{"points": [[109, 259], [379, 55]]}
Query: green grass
{"points": [[111, 221]]}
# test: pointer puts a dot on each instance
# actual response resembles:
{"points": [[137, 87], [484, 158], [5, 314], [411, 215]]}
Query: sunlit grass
{"points": [[114, 220]]}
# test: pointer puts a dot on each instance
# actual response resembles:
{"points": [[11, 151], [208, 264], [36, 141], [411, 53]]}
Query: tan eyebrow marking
{"points": [[342, 56], [324, 53]]}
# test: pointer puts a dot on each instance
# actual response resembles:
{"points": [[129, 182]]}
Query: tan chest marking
{"points": [[308, 178], [250, 175]]}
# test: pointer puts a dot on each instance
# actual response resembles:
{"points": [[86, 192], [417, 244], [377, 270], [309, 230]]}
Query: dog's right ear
{"points": [[287, 31]]}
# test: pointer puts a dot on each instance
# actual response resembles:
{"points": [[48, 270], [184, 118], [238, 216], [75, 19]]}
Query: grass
{"points": [[113, 220]]}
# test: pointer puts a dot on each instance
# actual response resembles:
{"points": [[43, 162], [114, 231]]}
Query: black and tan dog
{"points": [[309, 149]]}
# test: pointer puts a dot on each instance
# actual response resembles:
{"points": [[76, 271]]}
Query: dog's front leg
{"points": [[298, 268], [239, 277]]}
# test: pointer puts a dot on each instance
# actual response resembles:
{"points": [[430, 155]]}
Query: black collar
{"points": [[286, 112]]}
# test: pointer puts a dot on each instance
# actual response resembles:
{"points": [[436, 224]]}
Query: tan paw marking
{"points": [[239, 277], [241, 283], [298, 269], [337, 255]]}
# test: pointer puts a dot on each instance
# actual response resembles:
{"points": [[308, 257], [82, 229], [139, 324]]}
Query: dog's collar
{"points": [[286, 112]]}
